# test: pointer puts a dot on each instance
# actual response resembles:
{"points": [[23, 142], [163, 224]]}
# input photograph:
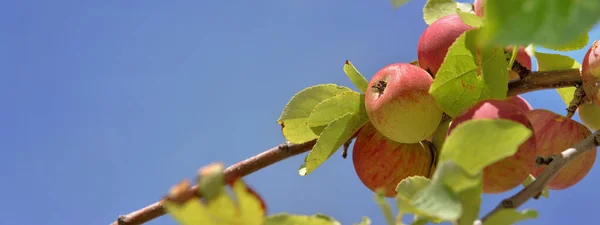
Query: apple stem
{"points": [[345, 150], [578, 97]]}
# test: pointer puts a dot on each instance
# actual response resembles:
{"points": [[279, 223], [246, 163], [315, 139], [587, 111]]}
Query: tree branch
{"points": [[232, 172], [532, 82], [558, 162], [544, 80]]}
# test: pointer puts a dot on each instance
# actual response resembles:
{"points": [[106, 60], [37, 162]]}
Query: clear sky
{"points": [[107, 104]]}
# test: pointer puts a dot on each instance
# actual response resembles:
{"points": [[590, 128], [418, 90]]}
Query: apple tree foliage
{"points": [[333, 114]]}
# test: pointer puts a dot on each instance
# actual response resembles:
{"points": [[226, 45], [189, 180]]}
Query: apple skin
{"points": [[478, 7], [590, 73], [519, 102], [555, 133], [589, 114], [436, 39], [399, 105], [511, 171], [382, 163]]}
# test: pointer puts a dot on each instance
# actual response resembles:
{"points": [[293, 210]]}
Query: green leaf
{"points": [[292, 219], [579, 43], [398, 3], [296, 112], [530, 180], [510, 216], [436, 9], [332, 108], [454, 176], [470, 19], [409, 186], [475, 144], [357, 79], [385, 207], [438, 201], [463, 81], [471, 202], [332, 138], [221, 209], [364, 221], [542, 22], [549, 61]]}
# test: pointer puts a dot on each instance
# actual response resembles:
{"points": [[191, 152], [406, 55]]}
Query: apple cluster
{"points": [[407, 127]]}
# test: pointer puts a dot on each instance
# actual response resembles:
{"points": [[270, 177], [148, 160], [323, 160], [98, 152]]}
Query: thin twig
{"points": [[237, 170], [578, 97], [533, 189], [532, 82], [544, 80]]}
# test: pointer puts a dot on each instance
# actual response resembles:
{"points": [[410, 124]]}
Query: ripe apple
{"points": [[523, 58], [382, 163], [519, 102], [589, 114], [555, 133], [511, 171], [590, 73], [399, 105], [436, 39], [478, 7]]}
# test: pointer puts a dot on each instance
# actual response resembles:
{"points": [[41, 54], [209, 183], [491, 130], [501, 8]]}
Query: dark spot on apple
{"points": [[379, 87]]}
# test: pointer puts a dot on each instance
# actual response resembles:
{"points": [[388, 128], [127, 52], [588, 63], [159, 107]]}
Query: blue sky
{"points": [[107, 104]]}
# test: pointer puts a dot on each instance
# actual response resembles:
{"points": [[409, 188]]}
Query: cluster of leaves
{"points": [[475, 68], [243, 207]]}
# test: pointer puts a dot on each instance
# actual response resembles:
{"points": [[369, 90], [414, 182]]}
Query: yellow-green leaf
{"points": [[510, 217], [357, 79], [293, 219], [436, 9], [549, 61], [296, 112], [332, 108], [332, 138]]}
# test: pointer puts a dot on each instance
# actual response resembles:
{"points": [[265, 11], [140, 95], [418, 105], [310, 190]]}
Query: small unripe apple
{"points": [[399, 105], [436, 39], [555, 133], [589, 114], [590, 73], [519, 102], [381, 163], [478, 7], [511, 171]]}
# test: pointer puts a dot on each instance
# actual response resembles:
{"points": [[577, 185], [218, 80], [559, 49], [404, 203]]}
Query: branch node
{"points": [[544, 161], [285, 146], [507, 203], [122, 220], [521, 70], [578, 97]]}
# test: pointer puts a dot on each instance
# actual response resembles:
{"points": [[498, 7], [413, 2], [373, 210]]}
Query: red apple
{"points": [[589, 113], [511, 171], [590, 73], [519, 102], [382, 163], [436, 39], [555, 133], [399, 105], [478, 7]]}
